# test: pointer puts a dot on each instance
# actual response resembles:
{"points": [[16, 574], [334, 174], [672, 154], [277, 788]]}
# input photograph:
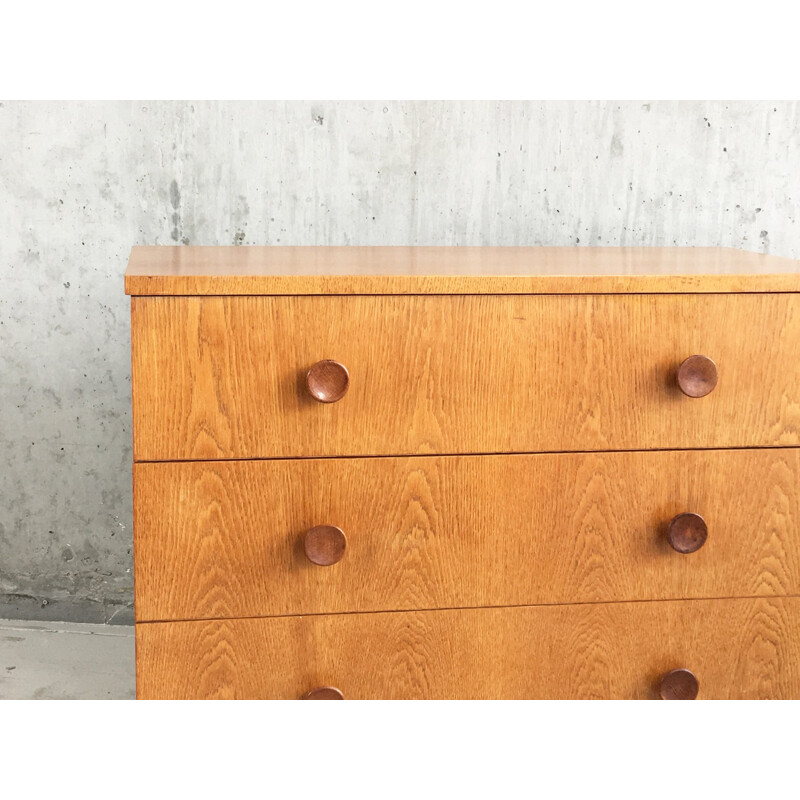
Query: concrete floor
{"points": [[66, 661]]}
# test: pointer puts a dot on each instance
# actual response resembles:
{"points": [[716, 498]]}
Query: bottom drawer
{"points": [[742, 648]]}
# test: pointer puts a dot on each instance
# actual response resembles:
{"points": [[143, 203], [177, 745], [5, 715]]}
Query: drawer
{"points": [[744, 648], [229, 538], [225, 377]]}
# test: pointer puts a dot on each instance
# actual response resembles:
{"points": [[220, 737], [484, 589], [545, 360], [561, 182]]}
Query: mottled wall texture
{"points": [[82, 182]]}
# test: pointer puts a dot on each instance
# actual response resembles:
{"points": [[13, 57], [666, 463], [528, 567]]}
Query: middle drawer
{"points": [[228, 538]]}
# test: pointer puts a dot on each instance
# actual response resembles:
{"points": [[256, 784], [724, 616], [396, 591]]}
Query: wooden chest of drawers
{"points": [[466, 472]]}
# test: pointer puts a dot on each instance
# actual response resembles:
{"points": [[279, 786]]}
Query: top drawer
{"points": [[225, 377]]}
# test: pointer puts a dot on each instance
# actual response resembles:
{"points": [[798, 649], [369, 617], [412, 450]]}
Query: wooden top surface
{"points": [[455, 270]]}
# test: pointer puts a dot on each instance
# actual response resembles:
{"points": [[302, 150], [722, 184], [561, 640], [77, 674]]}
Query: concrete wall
{"points": [[82, 182]]}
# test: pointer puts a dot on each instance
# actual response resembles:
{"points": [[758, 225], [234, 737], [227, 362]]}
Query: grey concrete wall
{"points": [[82, 182]]}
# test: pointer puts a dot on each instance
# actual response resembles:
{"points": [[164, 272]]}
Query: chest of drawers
{"points": [[466, 472]]}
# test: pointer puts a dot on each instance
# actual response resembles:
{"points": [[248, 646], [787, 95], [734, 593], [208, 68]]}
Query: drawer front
{"points": [[735, 648], [225, 377], [229, 539]]}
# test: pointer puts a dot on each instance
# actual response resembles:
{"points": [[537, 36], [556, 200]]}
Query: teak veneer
{"points": [[501, 473], [226, 377], [454, 270], [743, 648], [225, 538]]}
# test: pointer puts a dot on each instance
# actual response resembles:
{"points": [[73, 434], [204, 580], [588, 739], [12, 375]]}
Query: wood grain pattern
{"points": [[454, 270], [740, 648], [225, 539], [225, 377]]}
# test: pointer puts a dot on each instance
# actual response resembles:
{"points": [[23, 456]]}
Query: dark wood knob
{"points": [[687, 533], [325, 545], [697, 376], [324, 693], [679, 684], [328, 381]]}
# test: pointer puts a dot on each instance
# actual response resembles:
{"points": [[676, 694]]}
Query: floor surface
{"points": [[66, 661]]}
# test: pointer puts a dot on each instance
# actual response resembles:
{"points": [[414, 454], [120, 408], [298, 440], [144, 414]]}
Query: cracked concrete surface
{"points": [[82, 182]]}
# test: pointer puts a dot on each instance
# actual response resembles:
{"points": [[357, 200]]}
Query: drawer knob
{"points": [[697, 376], [324, 693], [679, 684], [687, 533], [325, 545], [328, 381]]}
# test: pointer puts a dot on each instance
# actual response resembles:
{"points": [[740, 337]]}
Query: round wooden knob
{"points": [[679, 684], [697, 376], [325, 545], [325, 693], [687, 533], [328, 381]]}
